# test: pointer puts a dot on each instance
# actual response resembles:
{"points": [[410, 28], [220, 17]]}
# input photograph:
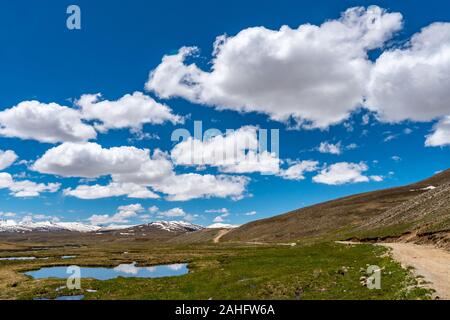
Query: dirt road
{"points": [[220, 234], [430, 262]]}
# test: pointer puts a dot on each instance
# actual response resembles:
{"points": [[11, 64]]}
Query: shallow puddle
{"points": [[123, 270], [17, 258], [66, 298]]}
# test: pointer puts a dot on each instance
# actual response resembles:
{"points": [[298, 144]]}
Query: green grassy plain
{"points": [[220, 271]]}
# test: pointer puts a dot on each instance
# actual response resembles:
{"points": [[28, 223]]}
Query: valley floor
{"points": [[217, 271]]}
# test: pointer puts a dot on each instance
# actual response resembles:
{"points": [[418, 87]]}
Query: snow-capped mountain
{"points": [[44, 226], [49, 226], [159, 229], [77, 227], [175, 226]]}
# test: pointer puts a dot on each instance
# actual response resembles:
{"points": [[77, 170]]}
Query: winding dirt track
{"points": [[220, 235], [430, 262]]}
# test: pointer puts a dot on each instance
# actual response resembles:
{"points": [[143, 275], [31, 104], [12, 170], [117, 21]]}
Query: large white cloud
{"points": [[25, 188], [174, 212], [123, 215], [190, 186], [315, 74], [130, 111], [441, 135], [133, 172], [113, 189], [177, 213], [343, 173], [90, 160], [182, 187], [235, 152], [156, 169], [412, 83], [7, 158], [49, 123], [53, 123], [297, 170]]}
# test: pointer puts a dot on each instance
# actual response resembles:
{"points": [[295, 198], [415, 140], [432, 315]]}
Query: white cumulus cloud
{"points": [[134, 172], [130, 111], [7, 158], [90, 160], [411, 83], [297, 170], [344, 173], [171, 213], [178, 213], [49, 123], [441, 134], [190, 186], [112, 189], [326, 147], [235, 152], [314, 74], [123, 215], [25, 188]]}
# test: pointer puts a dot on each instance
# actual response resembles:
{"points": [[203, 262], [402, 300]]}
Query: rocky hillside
{"points": [[342, 216], [425, 217]]}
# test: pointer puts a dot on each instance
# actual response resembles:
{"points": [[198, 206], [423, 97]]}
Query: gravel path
{"points": [[430, 262], [220, 235]]}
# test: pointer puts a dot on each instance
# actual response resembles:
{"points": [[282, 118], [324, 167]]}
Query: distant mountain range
{"points": [[417, 212], [169, 226], [44, 226], [10, 226]]}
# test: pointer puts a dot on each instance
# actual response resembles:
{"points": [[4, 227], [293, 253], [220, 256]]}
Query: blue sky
{"points": [[381, 140]]}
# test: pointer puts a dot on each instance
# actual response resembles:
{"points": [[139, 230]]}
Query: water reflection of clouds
{"points": [[175, 267], [132, 269], [123, 270], [127, 268]]}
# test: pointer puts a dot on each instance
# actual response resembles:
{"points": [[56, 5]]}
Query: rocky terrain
{"points": [[424, 218]]}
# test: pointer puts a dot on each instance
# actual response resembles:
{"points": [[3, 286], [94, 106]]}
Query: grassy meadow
{"points": [[216, 271]]}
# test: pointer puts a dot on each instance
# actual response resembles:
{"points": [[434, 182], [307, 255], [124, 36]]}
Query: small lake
{"points": [[32, 258], [17, 258], [123, 270], [65, 298]]}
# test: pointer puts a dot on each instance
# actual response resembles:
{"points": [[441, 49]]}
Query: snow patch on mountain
{"points": [[174, 226], [44, 226], [222, 226], [49, 226]]}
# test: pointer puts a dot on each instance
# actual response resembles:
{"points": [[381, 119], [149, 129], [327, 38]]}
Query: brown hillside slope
{"points": [[201, 236], [425, 217], [341, 214]]}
